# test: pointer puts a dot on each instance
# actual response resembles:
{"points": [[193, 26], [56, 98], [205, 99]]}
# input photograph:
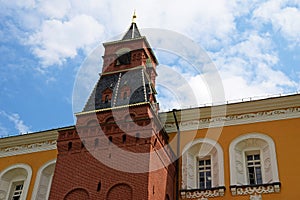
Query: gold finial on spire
{"points": [[133, 17]]}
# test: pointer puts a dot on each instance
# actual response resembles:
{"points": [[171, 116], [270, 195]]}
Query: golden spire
{"points": [[133, 17]]}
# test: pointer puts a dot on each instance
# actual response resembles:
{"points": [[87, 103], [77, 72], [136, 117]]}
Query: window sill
{"points": [[202, 193], [255, 191]]}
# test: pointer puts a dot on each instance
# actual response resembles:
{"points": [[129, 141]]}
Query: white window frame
{"points": [[252, 153], [13, 189], [198, 171], [219, 162], [38, 179], [26, 180], [234, 160]]}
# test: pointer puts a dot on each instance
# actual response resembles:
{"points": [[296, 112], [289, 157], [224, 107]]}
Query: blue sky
{"points": [[255, 45]]}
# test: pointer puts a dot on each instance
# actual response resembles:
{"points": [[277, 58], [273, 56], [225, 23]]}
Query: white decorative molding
{"points": [[45, 188], [202, 194], [5, 188], [28, 148], [230, 120], [205, 147], [255, 192], [252, 141]]}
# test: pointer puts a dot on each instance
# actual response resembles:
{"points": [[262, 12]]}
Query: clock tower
{"points": [[118, 148]]}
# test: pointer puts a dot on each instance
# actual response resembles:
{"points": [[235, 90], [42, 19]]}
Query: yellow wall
{"points": [[34, 160], [286, 136]]}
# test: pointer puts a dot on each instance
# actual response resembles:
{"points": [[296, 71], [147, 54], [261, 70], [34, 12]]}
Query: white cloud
{"points": [[247, 68], [283, 15], [247, 58], [57, 41], [54, 8], [3, 131], [18, 122]]}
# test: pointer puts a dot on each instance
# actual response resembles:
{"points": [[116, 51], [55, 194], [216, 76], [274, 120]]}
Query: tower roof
{"points": [[133, 31]]}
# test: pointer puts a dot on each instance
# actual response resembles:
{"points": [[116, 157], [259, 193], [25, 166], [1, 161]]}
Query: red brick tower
{"points": [[118, 149]]}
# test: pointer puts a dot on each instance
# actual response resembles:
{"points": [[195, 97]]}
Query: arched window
{"points": [[125, 92], [106, 98], [253, 160], [123, 138], [123, 56], [110, 139], [70, 146], [43, 181], [106, 95], [202, 165], [14, 181], [99, 186]]}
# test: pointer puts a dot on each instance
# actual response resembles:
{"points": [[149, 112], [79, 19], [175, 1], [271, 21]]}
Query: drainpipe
{"points": [[177, 154]]}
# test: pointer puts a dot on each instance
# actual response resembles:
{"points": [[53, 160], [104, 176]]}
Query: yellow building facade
{"points": [[251, 152], [245, 150], [27, 164]]}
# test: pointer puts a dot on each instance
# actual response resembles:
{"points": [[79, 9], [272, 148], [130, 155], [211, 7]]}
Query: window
{"points": [[106, 98], [69, 146], [123, 138], [254, 168], [43, 181], [125, 92], [14, 182], [202, 165], [123, 59], [253, 160], [106, 95], [125, 96], [17, 188], [204, 173]]}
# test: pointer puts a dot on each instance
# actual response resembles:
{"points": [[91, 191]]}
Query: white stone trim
{"points": [[229, 120], [220, 156], [268, 140], [26, 181], [38, 179], [28, 148]]}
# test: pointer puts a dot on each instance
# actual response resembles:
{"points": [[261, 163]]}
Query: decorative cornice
{"points": [[202, 194], [28, 148], [229, 120]]}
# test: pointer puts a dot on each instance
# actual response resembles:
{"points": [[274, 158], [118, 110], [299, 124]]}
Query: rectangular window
{"points": [[17, 188], [254, 168], [204, 173]]}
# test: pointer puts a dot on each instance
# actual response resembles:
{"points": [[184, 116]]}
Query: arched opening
{"points": [[115, 191], [253, 160], [14, 182], [99, 186], [123, 138], [77, 194], [202, 165], [70, 146], [43, 181], [110, 139]]}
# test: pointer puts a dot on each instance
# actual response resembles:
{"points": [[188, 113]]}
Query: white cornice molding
{"points": [[28, 148], [237, 119]]}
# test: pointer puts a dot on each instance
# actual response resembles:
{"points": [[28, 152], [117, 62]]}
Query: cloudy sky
{"points": [[254, 45]]}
